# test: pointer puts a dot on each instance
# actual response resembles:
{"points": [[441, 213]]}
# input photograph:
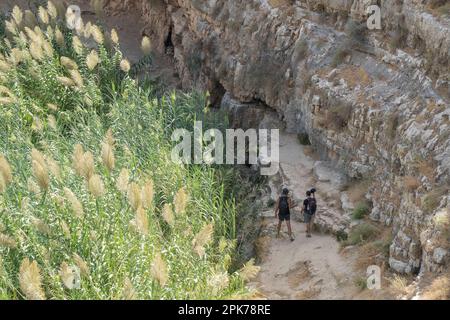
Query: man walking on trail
{"points": [[282, 212], [309, 210]]}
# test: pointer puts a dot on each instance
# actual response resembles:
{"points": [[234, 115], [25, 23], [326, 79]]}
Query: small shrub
{"points": [[355, 30], [341, 53], [341, 236], [360, 233], [338, 116], [433, 198], [411, 183], [361, 210], [392, 122], [271, 202], [303, 139], [361, 283]]}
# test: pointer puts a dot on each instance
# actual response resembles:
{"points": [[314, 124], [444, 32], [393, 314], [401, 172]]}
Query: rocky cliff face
{"points": [[375, 103]]}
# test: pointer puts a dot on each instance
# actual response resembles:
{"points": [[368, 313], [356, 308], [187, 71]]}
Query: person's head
{"points": [[285, 191], [308, 193]]}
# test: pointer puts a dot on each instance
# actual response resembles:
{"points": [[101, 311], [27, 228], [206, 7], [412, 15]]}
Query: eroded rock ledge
{"points": [[375, 103]]}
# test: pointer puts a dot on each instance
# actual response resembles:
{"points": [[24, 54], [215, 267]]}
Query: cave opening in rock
{"points": [[168, 44]]}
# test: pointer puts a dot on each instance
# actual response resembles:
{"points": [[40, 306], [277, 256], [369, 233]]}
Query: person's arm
{"points": [[277, 207]]}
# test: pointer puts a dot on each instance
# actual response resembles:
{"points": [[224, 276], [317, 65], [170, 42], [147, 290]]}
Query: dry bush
{"points": [[439, 289], [433, 198], [357, 191], [399, 285], [411, 183]]}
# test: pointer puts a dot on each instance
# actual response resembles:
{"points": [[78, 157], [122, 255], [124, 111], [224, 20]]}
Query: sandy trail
{"points": [[307, 268]]}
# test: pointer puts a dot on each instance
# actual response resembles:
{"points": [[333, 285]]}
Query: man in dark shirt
{"points": [[282, 212], [309, 211]]}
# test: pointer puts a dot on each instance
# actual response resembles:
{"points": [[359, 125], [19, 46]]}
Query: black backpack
{"points": [[312, 205], [283, 206]]}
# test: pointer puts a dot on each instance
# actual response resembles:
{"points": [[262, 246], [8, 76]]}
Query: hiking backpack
{"points": [[283, 206], [312, 205]]}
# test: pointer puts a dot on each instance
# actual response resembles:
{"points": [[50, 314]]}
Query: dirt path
{"points": [[308, 268]]}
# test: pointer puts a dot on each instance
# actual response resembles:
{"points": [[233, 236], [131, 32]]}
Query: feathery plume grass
{"points": [[5, 170], [108, 156], [43, 15], [92, 60], [77, 159], [17, 15], [52, 11], [114, 37], [36, 51], [81, 264], [167, 214], [11, 27], [96, 186], [77, 45], [48, 49], [159, 270], [87, 165], [67, 82], [51, 120], [30, 280], [249, 270], [68, 63], [202, 239], [75, 204], [147, 194], [134, 195], [109, 138], [128, 291], [140, 221], [97, 34], [59, 38], [52, 106], [32, 35], [125, 65], [2, 184], [6, 100], [77, 78], [218, 282], [65, 229], [16, 56], [53, 167], [32, 186], [87, 31], [4, 66], [66, 275], [180, 201], [146, 46], [122, 180], [41, 174], [7, 241], [40, 226], [30, 19]]}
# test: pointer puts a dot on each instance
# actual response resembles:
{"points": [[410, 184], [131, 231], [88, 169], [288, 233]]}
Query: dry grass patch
{"points": [[400, 286], [439, 289], [411, 183], [355, 75], [310, 293], [279, 3]]}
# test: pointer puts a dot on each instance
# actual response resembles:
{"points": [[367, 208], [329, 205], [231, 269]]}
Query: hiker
{"points": [[282, 212], [309, 210]]}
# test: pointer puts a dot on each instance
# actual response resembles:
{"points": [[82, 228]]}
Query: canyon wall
{"points": [[375, 103]]}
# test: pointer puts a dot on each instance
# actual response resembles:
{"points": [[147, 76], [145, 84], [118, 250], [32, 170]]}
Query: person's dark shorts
{"points": [[308, 217], [284, 217]]}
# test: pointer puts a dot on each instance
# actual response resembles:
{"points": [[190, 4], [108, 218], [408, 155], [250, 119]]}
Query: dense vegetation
{"points": [[86, 180]]}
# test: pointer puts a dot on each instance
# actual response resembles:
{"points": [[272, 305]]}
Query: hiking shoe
{"points": [[308, 235], [292, 239]]}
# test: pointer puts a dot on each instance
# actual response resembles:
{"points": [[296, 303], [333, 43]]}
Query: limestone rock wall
{"points": [[374, 102]]}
